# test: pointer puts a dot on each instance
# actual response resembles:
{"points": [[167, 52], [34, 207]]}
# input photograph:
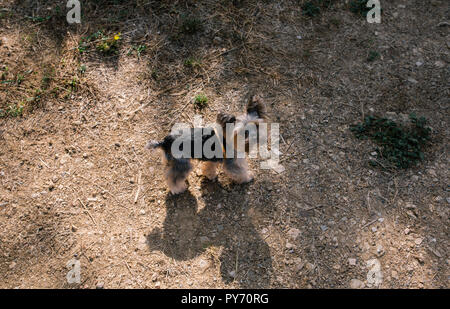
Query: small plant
{"points": [[140, 49], [373, 55], [39, 19], [82, 69], [13, 110], [192, 63], [401, 147], [109, 45], [313, 7], [359, 7], [191, 25], [200, 101], [20, 78]]}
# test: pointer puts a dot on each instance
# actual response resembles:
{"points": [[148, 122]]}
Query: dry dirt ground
{"points": [[77, 183]]}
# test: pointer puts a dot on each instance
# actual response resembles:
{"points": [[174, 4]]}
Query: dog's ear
{"points": [[256, 108], [223, 119]]}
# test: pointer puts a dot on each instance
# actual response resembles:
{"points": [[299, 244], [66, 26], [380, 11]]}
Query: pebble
{"points": [[12, 265], [74, 228], [324, 227], [352, 262], [100, 285], [203, 264], [418, 241], [310, 266], [432, 172], [394, 274], [217, 40], [232, 274], [439, 64], [380, 250], [289, 245], [374, 276], [374, 229], [293, 233], [356, 284], [142, 212], [407, 230]]}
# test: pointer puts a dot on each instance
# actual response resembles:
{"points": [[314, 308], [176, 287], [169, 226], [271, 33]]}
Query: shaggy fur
{"points": [[177, 170]]}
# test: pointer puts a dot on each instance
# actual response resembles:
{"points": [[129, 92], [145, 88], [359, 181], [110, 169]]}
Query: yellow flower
{"points": [[117, 36]]}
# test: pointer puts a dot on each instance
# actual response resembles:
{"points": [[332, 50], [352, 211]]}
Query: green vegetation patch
{"points": [[399, 146]]}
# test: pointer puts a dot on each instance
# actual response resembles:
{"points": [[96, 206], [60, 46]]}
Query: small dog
{"points": [[235, 167]]}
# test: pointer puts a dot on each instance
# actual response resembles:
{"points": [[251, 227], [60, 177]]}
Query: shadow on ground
{"points": [[188, 232]]}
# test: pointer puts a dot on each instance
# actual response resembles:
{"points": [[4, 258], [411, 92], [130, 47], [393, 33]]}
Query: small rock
{"points": [[439, 64], [232, 274], [448, 200], [394, 274], [324, 227], [374, 276], [418, 63], [407, 230], [432, 172], [310, 266], [356, 284], [100, 285], [158, 285], [289, 245], [264, 231], [203, 264], [204, 239], [374, 229], [418, 241], [352, 262], [85, 155], [74, 228], [12, 265], [142, 212], [412, 80], [217, 40], [410, 206], [293, 233], [380, 251]]}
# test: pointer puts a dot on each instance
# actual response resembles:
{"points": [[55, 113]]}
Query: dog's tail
{"points": [[152, 144], [256, 109]]}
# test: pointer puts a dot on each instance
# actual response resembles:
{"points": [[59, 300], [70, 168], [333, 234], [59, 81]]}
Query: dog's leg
{"points": [[209, 169], [237, 170], [177, 171]]}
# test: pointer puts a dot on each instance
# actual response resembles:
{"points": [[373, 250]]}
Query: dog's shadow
{"points": [[223, 222]]}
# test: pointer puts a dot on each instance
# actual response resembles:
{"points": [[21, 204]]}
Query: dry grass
{"points": [[70, 164]]}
